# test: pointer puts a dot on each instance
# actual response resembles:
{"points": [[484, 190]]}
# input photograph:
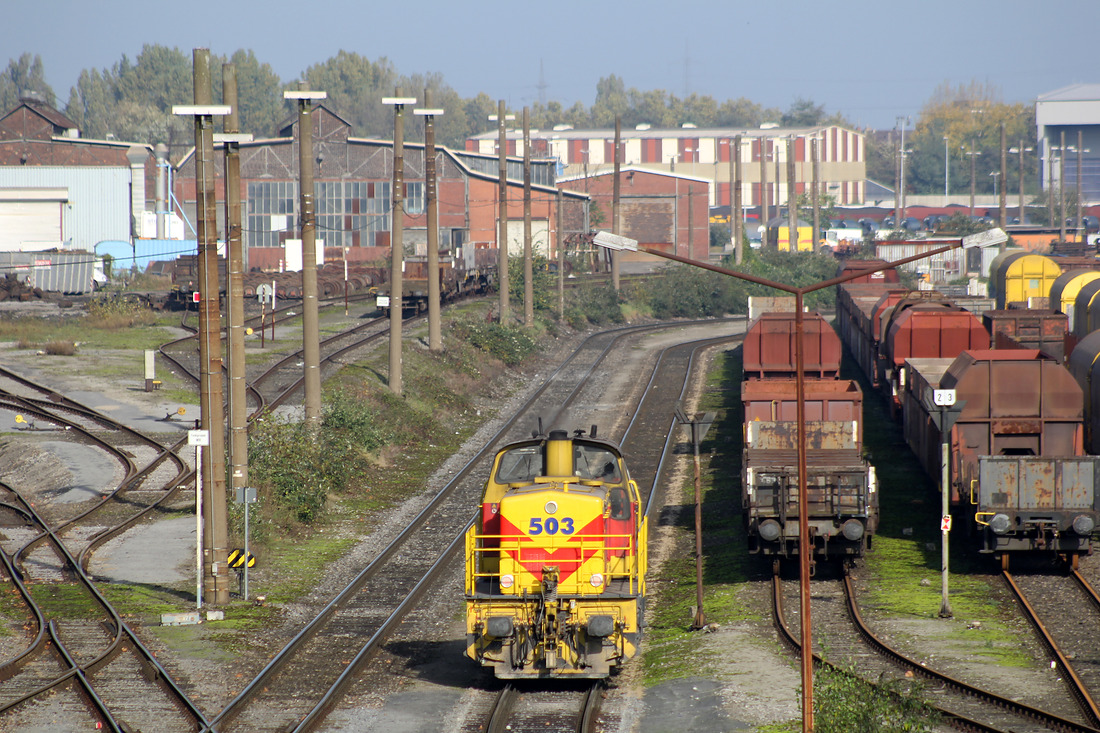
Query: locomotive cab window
{"points": [[595, 463], [520, 464], [620, 503]]}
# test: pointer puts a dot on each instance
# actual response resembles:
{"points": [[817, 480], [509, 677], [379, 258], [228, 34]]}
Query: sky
{"points": [[873, 62]]}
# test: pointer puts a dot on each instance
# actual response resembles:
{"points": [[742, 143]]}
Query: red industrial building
{"points": [[353, 203], [665, 211]]}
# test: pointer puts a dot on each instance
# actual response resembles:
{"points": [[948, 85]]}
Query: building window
{"points": [[414, 198], [270, 212]]}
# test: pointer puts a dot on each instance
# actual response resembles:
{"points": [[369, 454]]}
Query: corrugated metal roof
{"points": [[98, 203]]}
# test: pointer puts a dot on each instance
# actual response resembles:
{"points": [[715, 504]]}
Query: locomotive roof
{"points": [[584, 439]]}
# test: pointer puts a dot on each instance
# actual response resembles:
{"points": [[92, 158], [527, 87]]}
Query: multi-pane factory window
{"points": [[414, 198], [270, 211], [348, 213]]}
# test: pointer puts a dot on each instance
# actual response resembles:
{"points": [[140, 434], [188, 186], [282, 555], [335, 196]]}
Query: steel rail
{"points": [[501, 712], [235, 706], [121, 631], [1073, 681], [793, 642]]}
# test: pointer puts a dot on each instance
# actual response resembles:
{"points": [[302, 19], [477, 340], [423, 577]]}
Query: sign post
{"points": [[198, 438], [946, 413], [246, 495], [266, 293], [699, 424]]}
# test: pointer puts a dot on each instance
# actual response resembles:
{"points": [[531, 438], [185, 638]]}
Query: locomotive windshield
{"points": [[594, 462], [520, 464], [590, 462]]}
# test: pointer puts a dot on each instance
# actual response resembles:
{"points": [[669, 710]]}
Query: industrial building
{"points": [[61, 191], [353, 179], [1059, 116], [665, 211], [705, 153]]}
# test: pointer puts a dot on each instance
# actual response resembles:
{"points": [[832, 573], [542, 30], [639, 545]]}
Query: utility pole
{"points": [[778, 188], [1002, 220], [215, 535], [561, 255], [1021, 152], [435, 334], [1080, 151], [397, 233], [238, 387], [616, 195], [311, 341], [764, 192], [1062, 188], [814, 196], [737, 221], [502, 210], [973, 155], [902, 121], [792, 199], [528, 268]]}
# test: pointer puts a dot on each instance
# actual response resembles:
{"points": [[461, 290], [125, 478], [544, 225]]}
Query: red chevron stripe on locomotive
{"points": [[567, 559]]}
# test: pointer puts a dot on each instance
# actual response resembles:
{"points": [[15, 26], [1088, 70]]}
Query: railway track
{"points": [[553, 400], [375, 602], [1064, 610], [108, 678], [563, 708], [853, 648]]}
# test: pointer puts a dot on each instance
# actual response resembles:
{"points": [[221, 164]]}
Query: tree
{"points": [[969, 117], [355, 86], [744, 113], [259, 95], [803, 113], [611, 101], [25, 74], [91, 103]]}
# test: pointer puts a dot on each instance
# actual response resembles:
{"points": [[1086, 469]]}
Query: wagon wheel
{"points": [[1004, 561]]}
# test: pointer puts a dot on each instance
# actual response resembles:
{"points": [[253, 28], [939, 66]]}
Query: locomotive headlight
{"points": [[1000, 524], [1083, 525], [551, 507], [769, 530], [506, 581], [596, 580], [852, 529]]}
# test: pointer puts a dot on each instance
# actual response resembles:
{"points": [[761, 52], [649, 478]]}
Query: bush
{"points": [[544, 283], [115, 310], [345, 415], [510, 344], [597, 304], [846, 703], [689, 292], [299, 470], [60, 348]]}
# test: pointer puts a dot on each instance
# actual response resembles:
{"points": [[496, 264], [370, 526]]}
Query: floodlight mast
{"points": [[805, 545]]}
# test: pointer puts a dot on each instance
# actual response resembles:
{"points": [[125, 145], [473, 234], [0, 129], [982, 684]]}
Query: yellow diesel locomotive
{"points": [[555, 563]]}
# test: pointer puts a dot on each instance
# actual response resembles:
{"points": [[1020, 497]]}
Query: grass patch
{"points": [[906, 548], [65, 600], [673, 650]]}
